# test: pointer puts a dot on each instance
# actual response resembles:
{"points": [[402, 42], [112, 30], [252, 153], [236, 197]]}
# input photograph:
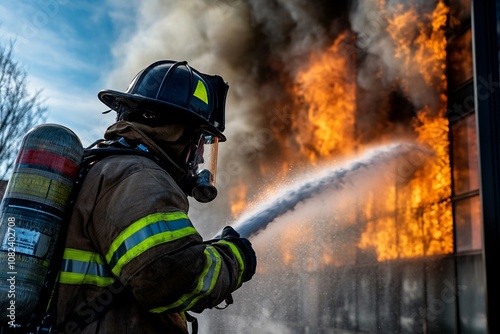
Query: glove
{"points": [[245, 248]]}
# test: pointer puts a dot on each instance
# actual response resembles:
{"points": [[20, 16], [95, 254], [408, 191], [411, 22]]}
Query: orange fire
{"points": [[238, 197], [423, 224], [401, 219], [326, 91]]}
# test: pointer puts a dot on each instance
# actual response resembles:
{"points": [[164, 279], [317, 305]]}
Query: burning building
{"points": [[393, 250], [403, 245]]}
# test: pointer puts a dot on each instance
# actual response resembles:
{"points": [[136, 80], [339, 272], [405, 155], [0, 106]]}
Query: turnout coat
{"points": [[132, 250]]}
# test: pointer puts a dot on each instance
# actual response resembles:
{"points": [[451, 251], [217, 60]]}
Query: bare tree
{"points": [[20, 110]]}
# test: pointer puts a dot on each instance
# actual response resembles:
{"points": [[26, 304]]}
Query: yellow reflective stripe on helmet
{"points": [[238, 256], [147, 232], [83, 267], [206, 283], [201, 92]]}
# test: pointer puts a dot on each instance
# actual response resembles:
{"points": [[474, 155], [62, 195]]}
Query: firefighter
{"points": [[133, 261]]}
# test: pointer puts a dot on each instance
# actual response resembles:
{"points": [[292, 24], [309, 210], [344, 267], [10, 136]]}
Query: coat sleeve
{"points": [[141, 228]]}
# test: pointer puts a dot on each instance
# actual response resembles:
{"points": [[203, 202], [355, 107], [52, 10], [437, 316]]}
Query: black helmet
{"points": [[175, 91]]}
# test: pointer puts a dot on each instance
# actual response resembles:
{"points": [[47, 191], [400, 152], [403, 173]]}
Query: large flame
{"points": [[325, 93], [423, 224], [404, 219]]}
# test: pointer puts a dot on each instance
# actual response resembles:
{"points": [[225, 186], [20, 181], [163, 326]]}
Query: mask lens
{"points": [[210, 146]]}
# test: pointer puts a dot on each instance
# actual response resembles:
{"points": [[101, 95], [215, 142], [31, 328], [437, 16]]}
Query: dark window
{"points": [[468, 224], [367, 299], [470, 289], [441, 296], [412, 298], [460, 12], [460, 60], [465, 155]]}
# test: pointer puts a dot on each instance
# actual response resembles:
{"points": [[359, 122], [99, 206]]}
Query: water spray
{"points": [[257, 220]]}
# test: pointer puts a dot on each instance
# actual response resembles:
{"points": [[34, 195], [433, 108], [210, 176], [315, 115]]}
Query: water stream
{"points": [[333, 178], [294, 229]]}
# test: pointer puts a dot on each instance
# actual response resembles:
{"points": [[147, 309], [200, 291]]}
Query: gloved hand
{"points": [[245, 247]]}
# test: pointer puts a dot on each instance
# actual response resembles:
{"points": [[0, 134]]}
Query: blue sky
{"points": [[66, 49], [73, 49]]}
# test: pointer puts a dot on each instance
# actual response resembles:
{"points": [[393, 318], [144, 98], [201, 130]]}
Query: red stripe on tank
{"points": [[50, 160]]}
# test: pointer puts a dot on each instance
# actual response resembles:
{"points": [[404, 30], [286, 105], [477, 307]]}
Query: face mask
{"points": [[202, 166]]}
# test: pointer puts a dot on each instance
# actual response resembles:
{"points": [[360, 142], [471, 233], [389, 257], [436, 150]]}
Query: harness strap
{"points": [[193, 321], [90, 157]]}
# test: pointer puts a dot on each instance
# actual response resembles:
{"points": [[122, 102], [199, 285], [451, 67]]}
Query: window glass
{"points": [[460, 60], [388, 297], [367, 299], [468, 224], [498, 21], [460, 12], [441, 297], [470, 289], [344, 303], [497, 3], [412, 298], [465, 155]]}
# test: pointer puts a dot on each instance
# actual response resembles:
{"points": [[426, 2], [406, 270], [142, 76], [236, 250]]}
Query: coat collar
{"points": [[154, 138]]}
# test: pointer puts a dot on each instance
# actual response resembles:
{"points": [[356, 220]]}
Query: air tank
{"points": [[32, 213]]}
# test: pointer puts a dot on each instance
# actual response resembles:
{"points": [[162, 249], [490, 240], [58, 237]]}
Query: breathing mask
{"points": [[202, 166]]}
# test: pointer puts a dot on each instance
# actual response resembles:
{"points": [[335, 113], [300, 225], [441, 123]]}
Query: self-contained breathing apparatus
{"points": [[37, 314], [172, 92]]}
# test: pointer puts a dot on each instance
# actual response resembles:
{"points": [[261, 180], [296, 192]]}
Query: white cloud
{"points": [[60, 60], [81, 111]]}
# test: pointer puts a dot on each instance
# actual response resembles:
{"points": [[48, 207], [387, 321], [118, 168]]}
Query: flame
{"points": [[326, 90], [418, 221], [424, 222], [412, 216], [238, 198], [421, 46], [292, 241], [461, 58]]}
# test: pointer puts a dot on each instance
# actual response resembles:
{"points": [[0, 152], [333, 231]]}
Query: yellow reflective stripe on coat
{"points": [[206, 283], [147, 232], [238, 256], [83, 267]]}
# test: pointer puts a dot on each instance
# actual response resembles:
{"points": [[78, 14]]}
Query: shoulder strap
{"points": [[79, 318], [44, 317]]}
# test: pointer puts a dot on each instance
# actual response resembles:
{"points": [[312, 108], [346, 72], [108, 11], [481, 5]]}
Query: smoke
{"points": [[251, 44], [258, 47], [390, 36]]}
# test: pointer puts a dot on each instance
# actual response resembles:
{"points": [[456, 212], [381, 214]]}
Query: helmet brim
{"points": [[115, 99]]}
